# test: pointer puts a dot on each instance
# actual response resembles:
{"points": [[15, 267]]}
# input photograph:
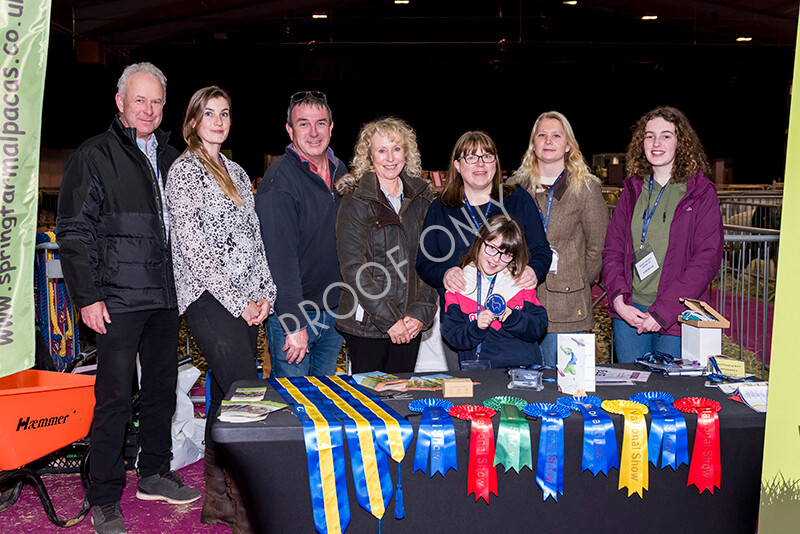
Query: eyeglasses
{"points": [[301, 96], [494, 251], [472, 159]]}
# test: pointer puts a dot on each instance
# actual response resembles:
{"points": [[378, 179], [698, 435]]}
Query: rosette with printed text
{"points": [[482, 474], [705, 471], [550, 461], [633, 470], [600, 453], [513, 447]]}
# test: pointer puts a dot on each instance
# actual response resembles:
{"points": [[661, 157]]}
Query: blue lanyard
{"points": [[648, 214], [479, 301], [400, 205], [546, 219], [472, 214]]}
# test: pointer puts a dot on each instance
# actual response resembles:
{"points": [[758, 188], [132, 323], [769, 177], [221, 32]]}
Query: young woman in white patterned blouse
{"points": [[222, 278]]}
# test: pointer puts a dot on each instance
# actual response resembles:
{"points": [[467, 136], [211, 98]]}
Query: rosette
{"points": [[600, 453], [513, 448], [482, 475], [633, 470], [436, 437], [550, 462], [667, 429], [706, 467]]}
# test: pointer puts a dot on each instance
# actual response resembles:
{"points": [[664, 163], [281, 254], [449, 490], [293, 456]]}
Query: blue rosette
{"points": [[600, 453], [550, 463], [667, 429], [436, 438]]}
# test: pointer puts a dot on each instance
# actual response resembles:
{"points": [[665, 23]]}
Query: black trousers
{"points": [[229, 346], [153, 334], [368, 354]]}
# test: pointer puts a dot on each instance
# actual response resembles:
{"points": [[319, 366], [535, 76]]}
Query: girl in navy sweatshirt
{"points": [[492, 323]]}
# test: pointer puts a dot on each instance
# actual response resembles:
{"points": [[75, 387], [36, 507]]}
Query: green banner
{"points": [[23, 47], [780, 474]]}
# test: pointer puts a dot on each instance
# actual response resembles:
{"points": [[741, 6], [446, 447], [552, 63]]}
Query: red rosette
{"points": [[482, 475], [696, 404], [706, 467], [471, 412]]}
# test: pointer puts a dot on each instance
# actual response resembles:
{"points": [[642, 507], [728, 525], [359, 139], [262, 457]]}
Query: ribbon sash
{"points": [[395, 433], [550, 462], [369, 463], [599, 441], [436, 438], [513, 449], [322, 435]]}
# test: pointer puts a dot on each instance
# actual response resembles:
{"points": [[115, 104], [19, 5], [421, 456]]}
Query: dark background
{"points": [[441, 66]]}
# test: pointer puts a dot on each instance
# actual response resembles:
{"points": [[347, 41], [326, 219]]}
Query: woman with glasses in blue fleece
{"points": [[474, 193]]}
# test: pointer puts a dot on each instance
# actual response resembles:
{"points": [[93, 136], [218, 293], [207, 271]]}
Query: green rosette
{"points": [[513, 448]]}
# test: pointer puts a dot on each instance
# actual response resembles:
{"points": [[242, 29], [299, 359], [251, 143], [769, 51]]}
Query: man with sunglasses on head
{"points": [[297, 207]]}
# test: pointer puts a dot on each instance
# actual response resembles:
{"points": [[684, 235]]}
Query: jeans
{"points": [[153, 334], [549, 346], [324, 344], [629, 345], [228, 344]]}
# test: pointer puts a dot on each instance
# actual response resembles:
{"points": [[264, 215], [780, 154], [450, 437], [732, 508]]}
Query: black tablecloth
{"points": [[269, 459]]}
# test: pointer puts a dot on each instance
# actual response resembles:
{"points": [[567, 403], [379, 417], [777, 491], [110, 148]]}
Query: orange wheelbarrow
{"points": [[41, 412]]}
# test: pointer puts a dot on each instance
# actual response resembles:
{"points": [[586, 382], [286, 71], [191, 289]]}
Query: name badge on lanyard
{"points": [[546, 222], [477, 363], [645, 261]]}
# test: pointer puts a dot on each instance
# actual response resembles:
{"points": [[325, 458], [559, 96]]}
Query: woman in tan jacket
{"points": [[575, 217]]}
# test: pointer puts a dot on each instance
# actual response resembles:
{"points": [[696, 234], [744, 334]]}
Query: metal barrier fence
{"points": [[745, 287]]}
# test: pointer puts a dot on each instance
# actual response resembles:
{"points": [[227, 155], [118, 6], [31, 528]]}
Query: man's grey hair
{"points": [[145, 67], [307, 98]]}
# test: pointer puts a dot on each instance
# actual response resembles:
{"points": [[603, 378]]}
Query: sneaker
{"points": [[107, 519], [168, 487]]}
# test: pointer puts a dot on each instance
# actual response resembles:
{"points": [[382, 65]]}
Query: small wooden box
{"points": [[456, 387]]}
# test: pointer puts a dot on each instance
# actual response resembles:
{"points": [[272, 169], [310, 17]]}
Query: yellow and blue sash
{"points": [[322, 434], [374, 432]]}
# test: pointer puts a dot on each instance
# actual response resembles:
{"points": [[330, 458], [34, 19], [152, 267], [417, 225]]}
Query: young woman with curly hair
{"points": [[674, 248], [574, 216]]}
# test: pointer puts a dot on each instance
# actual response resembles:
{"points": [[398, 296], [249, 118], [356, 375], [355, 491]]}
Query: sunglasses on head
{"points": [[303, 95]]}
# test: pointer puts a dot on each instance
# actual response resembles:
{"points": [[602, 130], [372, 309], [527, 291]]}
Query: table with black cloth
{"points": [[269, 459]]}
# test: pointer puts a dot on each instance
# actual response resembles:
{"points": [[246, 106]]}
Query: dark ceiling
{"points": [[123, 25], [445, 66]]}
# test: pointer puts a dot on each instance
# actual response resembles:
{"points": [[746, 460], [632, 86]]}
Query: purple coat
{"points": [[693, 255]]}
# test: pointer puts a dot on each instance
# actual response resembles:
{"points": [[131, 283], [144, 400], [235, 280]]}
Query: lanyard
{"points": [[472, 214], [480, 302], [546, 218], [399, 204], [648, 214]]}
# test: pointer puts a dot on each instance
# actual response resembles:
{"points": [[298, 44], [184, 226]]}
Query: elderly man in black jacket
{"points": [[113, 235]]}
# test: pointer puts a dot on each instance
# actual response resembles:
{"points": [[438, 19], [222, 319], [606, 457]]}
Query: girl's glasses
{"points": [[494, 251]]}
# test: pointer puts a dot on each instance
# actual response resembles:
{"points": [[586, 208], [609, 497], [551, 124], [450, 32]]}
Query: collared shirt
{"points": [[395, 200], [326, 177], [150, 149]]}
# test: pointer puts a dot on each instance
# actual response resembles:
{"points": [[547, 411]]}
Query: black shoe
{"points": [[168, 487], [107, 519]]}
